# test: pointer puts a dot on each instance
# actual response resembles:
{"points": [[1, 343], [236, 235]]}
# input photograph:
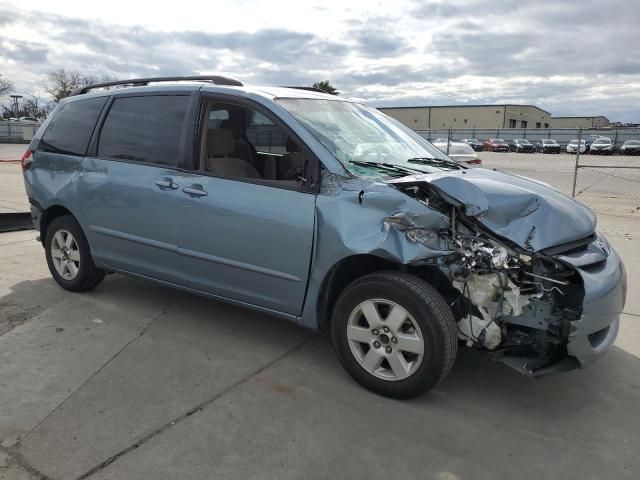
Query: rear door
{"points": [[249, 238], [129, 191]]}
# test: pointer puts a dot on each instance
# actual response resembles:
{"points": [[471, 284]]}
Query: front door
{"points": [[247, 212]]}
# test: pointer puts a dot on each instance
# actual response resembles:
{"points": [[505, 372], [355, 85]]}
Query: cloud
{"points": [[27, 53], [569, 57]]}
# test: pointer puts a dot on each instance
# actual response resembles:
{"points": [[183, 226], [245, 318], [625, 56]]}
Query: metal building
{"points": [[471, 116], [580, 122]]}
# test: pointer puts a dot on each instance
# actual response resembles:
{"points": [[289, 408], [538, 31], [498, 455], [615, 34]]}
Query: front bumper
{"points": [[605, 286], [605, 294]]}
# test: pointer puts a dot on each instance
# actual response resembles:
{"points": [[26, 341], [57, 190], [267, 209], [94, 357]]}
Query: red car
{"points": [[495, 145]]}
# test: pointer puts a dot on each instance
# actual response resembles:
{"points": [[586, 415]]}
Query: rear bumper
{"points": [[605, 295]]}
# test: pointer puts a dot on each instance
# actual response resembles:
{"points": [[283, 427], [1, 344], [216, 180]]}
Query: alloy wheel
{"points": [[385, 339], [65, 254]]}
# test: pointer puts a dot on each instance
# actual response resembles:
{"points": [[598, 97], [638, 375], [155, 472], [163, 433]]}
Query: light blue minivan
{"points": [[326, 212]]}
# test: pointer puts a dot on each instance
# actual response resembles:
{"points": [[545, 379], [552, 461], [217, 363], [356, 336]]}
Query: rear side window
{"points": [[71, 128], [144, 129]]}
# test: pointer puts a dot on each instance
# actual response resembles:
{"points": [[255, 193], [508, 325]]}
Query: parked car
{"points": [[496, 145], [547, 145], [397, 250], [460, 152], [28, 119], [588, 142], [474, 143], [630, 147], [521, 145], [572, 147], [601, 146]]}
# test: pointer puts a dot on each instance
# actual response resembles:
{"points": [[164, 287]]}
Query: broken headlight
{"points": [[478, 252]]}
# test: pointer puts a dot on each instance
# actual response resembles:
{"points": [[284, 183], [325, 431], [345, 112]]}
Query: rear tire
{"points": [[68, 256], [394, 334]]}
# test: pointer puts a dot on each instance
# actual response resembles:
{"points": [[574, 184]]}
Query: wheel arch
{"points": [[49, 215], [350, 268]]}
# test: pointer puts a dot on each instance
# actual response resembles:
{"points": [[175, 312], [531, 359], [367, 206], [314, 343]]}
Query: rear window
{"points": [[70, 130], [144, 129]]}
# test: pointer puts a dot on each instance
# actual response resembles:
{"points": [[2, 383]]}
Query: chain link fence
{"points": [[606, 181], [12, 131], [605, 177], [562, 135]]}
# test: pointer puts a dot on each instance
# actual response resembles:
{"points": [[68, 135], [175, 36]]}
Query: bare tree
{"points": [[61, 82], [6, 86]]}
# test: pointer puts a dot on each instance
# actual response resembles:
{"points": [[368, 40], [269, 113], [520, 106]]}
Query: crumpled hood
{"points": [[530, 213]]}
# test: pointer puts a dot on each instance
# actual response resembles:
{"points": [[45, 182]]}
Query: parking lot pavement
{"points": [[12, 151], [137, 381], [12, 195]]}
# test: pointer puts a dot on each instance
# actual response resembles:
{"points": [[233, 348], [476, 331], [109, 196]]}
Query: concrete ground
{"points": [[12, 196], [138, 381]]}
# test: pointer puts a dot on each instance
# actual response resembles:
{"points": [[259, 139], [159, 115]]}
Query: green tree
{"points": [[325, 86], [61, 82]]}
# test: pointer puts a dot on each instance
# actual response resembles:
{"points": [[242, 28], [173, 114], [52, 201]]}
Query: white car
{"points": [[460, 152], [602, 145], [572, 147], [630, 147]]}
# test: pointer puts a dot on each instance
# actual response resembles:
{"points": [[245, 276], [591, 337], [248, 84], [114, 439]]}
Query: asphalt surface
{"points": [[138, 381]]}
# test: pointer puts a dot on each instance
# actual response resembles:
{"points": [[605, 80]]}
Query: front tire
{"points": [[68, 256], [394, 334]]}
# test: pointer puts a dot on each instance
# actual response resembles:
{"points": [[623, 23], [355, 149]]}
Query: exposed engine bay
{"points": [[516, 303]]}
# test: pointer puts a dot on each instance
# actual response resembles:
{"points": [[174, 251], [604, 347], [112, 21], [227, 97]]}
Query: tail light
{"points": [[26, 160]]}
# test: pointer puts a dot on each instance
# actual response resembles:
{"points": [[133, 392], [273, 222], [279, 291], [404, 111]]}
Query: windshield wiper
{"points": [[434, 161], [387, 166]]}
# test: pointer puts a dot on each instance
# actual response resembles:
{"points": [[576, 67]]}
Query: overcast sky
{"points": [[571, 57]]}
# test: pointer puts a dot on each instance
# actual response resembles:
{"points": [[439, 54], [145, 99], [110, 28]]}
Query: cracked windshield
{"points": [[367, 142]]}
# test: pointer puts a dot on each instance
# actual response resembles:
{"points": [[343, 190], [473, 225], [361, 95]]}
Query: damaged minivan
{"points": [[326, 212]]}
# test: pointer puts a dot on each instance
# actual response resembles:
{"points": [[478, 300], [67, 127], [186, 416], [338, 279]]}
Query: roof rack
{"points": [[137, 82], [311, 89]]}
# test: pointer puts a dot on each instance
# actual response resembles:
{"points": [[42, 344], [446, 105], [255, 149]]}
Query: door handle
{"points": [[167, 183], [196, 191]]}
